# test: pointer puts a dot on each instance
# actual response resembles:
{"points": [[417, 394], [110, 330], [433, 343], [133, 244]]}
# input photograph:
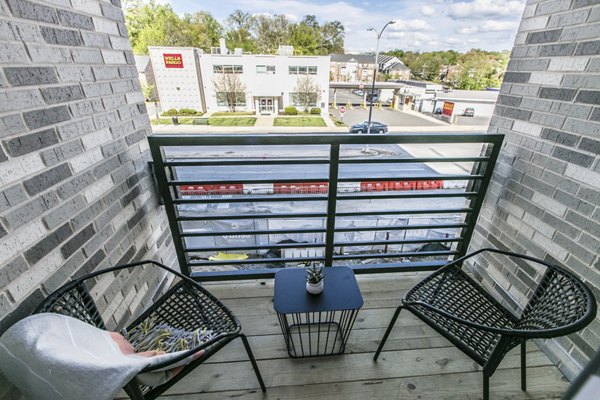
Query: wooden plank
{"points": [[543, 383], [361, 341], [265, 287], [371, 318], [349, 367]]}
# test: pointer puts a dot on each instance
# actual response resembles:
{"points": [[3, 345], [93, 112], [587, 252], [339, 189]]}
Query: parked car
{"points": [[376, 127], [358, 92], [374, 98], [469, 112]]}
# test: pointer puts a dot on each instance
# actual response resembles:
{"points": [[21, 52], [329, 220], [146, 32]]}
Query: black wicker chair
{"points": [[186, 305], [458, 307]]}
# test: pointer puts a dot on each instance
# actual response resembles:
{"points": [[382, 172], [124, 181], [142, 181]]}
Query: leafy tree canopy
{"points": [[476, 69]]}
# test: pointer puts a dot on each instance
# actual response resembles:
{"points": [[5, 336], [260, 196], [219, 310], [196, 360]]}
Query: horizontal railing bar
{"points": [[318, 244], [193, 140], [414, 266], [259, 247], [404, 212], [250, 199], [252, 216], [398, 227], [187, 162], [414, 178], [384, 242], [411, 160], [398, 194], [389, 255], [256, 232], [247, 181], [256, 261], [249, 161]]}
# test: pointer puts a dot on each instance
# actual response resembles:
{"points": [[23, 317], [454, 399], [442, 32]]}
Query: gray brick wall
{"points": [[545, 197], [75, 189]]}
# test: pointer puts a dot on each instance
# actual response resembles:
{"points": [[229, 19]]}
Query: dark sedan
{"points": [[376, 127]]}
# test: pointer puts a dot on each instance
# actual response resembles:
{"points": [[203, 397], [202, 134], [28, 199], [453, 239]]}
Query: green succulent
{"points": [[314, 273]]}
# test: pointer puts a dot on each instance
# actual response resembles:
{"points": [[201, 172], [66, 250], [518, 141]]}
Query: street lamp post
{"points": [[366, 149]]}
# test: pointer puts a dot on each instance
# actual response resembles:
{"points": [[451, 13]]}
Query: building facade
{"points": [[177, 77], [360, 67], [265, 84]]}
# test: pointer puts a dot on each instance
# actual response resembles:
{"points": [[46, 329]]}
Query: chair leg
{"points": [[387, 333], [486, 387], [253, 361], [523, 367], [133, 390]]}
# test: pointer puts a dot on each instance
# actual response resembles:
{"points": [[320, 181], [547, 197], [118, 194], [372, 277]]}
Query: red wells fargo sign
{"points": [[173, 60], [448, 108]]}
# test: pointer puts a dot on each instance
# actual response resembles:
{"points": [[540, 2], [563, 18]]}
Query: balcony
{"points": [[242, 206], [416, 363]]}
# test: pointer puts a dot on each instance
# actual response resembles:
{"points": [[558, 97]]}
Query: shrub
{"points": [[290, 110], [315, 110], [170, 112], [187, 111]]}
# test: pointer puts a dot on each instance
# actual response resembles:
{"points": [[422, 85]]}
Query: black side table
{"points": [[316, 325]]}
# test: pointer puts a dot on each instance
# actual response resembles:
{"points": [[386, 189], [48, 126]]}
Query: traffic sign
{"points": [[342, 109]]}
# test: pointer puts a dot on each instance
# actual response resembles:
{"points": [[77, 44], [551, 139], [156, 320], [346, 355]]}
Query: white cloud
{"points": [[409, 25], [428, 11], [489, 26], [485, 9]]}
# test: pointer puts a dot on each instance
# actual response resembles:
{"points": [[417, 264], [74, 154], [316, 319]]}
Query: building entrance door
{"points": [[266, 105]]}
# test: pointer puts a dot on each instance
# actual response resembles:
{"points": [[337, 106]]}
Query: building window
{"points": [[228, 69], [224, 98], [302, 70], [298, 99], [265, 69]]}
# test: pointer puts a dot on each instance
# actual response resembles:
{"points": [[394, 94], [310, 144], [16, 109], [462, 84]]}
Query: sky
{"points": [[420, 25]]}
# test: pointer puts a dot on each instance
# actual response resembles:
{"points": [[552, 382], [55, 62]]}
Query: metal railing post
{"points": [[334, 164]]}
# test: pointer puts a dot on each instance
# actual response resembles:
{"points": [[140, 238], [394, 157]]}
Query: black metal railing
{"points": [[242, 206]]}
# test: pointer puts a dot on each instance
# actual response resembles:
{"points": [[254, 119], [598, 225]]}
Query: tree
{"points": [[205, 30], [239, 27], [271, 32], [333, 34], [230, 90], [307, 92], [148, 91], [306, 36]]}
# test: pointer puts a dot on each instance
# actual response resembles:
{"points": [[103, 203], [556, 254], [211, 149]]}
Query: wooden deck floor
{"points": [[417, 363]]}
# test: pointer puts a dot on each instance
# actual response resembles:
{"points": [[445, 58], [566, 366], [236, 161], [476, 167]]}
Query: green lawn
{"points": [[169, 121], [299, 121], [240, 121], [232, 114]]}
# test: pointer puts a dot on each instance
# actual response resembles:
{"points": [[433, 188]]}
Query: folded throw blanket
{"points": [[52, 356]]}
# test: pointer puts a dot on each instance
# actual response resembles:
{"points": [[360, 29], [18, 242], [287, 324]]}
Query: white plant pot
{"points": [[314, 288]]}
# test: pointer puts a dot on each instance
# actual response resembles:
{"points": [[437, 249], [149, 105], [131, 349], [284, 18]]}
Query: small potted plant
{"points": [[314, 278]]}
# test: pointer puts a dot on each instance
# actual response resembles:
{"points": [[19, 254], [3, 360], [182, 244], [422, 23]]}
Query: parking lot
{"points": [[389, 117], [386, 116]]}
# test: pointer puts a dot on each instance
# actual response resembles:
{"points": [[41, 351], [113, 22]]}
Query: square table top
{"points": [[341, 291]]}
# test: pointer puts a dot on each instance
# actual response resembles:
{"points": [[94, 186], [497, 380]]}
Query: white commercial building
{"points": [[265, 84]]}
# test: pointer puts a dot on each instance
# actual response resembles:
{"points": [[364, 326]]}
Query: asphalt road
{"points": [[248, 173], [385, 115]]}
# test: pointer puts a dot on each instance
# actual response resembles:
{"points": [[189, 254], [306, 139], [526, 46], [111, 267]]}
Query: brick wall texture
{"points": [[545, 196], [75, 189]]}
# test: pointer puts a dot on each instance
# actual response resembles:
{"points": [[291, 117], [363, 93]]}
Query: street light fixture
{"points": [[366, 149]]}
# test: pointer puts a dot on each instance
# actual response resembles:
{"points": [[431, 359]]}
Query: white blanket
{"points": [[52, 356]]}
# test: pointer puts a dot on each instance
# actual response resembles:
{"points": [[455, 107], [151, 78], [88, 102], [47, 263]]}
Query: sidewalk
{"points": [[179, 129]]}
